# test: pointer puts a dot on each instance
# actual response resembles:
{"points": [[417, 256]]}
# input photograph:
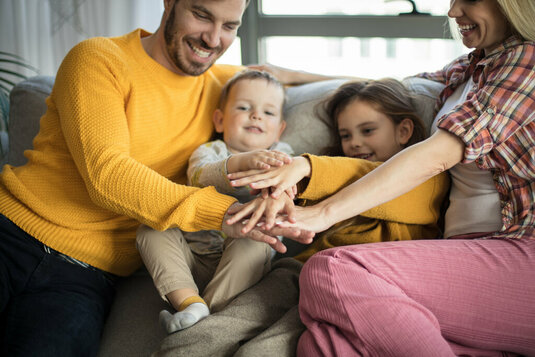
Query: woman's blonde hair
{"points": [[521, 16]]}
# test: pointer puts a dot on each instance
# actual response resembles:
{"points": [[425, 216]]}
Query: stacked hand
{"points": [[273, 210], [278, 179], [259, 234], [260, 160]]}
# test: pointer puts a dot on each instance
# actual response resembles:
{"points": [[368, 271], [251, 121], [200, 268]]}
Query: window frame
{"points": [[256, 26]]}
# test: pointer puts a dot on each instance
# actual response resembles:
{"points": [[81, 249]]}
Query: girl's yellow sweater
{"points": [[414, 215], [112, 152]]}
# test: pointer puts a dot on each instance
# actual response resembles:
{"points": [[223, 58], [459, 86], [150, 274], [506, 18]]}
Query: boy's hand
{"points": [[279, 179], [257, 160]]}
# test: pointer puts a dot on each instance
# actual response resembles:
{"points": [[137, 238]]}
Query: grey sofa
{"points": [[132, 328]]}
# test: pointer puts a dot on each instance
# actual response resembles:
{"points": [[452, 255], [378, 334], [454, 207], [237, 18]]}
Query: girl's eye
{"points": [[243, 108], [344, 136], [368, 131], [269, 113]]}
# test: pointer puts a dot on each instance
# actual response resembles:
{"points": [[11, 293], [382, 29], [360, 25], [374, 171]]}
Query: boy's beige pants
{"points": [[218, 278]]}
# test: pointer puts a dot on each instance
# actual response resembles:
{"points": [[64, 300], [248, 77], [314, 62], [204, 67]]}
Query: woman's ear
{"points": [[404, 131], [218, 120]]}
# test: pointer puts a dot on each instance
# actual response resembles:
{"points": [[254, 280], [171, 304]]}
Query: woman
{"points": [[462, 296]]}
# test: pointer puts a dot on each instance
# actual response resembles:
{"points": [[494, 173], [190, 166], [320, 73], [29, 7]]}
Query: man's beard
{"points": [[173, 48]]}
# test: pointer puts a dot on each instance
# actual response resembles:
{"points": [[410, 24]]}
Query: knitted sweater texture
{"points": [[112, 152]]}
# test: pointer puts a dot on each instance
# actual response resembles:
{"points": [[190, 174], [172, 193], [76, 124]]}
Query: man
{"points": [[124, 115]]}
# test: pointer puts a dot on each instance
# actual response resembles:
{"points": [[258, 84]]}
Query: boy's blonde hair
{"points": [[248, 74]]}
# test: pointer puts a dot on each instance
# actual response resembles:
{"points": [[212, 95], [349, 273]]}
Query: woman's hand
{"points": [[279, 179], [257, 160], [311, 218], [262, 211], [290, 76]]}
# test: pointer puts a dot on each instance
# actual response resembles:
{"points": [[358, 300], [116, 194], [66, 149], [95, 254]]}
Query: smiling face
{"points": [[366, 133], [251, 118], [481, 23], [198, 32]]}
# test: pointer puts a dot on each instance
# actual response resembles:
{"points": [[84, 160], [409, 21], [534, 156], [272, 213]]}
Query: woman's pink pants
{"points": [[420, 298]]}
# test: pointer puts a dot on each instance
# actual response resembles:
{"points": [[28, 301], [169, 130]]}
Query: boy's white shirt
{"points": [[208, 167]]}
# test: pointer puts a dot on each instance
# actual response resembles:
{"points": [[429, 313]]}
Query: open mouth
{"points": [[363, 156], [466, 29], [199, 52]]}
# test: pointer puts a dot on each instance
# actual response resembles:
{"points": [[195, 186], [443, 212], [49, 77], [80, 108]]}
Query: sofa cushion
{"points": [[424, 97], [307, 128]]}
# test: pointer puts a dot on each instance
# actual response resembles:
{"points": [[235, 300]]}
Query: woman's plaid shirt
{"points": [[497, 125]]}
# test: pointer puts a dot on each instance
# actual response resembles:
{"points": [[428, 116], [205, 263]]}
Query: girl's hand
{"points": [[267, 208], [279, 179], [291, 192], [257, 160]]}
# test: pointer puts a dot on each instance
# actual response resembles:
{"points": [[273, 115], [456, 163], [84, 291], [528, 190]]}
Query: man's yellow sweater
{"points": [[112, 152], [413, 215]]}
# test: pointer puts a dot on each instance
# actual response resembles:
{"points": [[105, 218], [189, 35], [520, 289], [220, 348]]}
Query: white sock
{"points": [[183, 319]]}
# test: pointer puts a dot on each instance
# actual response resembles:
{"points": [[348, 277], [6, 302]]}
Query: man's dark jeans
{"points": [[49, 307]]}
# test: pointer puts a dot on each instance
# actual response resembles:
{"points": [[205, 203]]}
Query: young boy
{"points": [[183, 264]]}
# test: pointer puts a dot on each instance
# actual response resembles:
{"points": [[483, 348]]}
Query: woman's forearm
{"points": [[406, 170]]}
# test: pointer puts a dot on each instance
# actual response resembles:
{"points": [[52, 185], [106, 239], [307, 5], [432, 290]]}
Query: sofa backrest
{"points": [[307, 129]]}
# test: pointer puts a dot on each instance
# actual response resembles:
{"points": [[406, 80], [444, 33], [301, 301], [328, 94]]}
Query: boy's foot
{"points": [[183, 319]]}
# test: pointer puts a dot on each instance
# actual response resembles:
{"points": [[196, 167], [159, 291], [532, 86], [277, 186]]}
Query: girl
{"points": [[374, 121]]}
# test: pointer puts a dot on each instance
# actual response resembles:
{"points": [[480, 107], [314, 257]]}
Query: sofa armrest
{"points": [[27, 105]]}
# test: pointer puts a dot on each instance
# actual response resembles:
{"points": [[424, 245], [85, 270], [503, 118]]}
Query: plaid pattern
{"points": [[497, 125]]}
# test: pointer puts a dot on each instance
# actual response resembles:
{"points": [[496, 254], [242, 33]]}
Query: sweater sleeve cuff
{"points": [[213, 209], [319, 172]]}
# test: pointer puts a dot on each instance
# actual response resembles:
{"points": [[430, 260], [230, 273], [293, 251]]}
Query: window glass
{"points": [[362, 57], [354, 7], [233, 54]]}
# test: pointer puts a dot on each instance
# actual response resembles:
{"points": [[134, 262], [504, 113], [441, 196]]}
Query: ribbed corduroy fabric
{"points": [[112, 146], [451, 297]]}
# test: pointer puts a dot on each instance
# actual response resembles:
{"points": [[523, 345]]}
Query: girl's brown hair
{"points": [[388, 95]]}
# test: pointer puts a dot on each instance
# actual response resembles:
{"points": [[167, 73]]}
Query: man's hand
{"points": [[257, 160], [262, 235], [262, 212]]}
